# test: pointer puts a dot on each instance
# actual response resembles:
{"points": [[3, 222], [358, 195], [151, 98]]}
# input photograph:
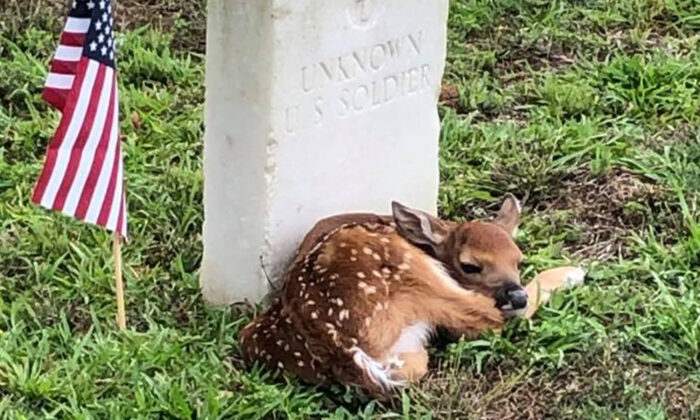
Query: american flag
{"points": [[83, 172]]}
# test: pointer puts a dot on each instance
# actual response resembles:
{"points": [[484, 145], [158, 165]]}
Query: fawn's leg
{"points": [[464, 312], [545, 284], [409, 366]]}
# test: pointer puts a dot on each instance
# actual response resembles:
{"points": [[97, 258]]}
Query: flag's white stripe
{"points": [[117, 198], [123, 215], [67, 53], [98, 196], [88, 155], [74, 126], [59, 81], [77, 25]]}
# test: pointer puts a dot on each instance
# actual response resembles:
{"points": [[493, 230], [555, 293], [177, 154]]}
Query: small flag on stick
{"points": [[83, 172]]}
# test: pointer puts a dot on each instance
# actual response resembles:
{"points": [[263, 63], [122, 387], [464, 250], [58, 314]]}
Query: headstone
{"points": [[313, 108]]}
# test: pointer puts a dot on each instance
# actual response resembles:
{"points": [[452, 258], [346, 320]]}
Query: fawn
{"points": [[364, 294]]}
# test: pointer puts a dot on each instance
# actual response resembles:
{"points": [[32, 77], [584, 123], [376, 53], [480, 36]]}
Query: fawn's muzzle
{"points": [[512, 299]]}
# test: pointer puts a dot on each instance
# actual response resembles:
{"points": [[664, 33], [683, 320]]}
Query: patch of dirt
{"points": [[186, 19], [449, 95], [532, 395], [609, 208], [678, 134], [520, 59]]}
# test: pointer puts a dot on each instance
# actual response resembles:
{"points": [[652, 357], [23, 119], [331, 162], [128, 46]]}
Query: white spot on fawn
{"points": [[361, 275], [367, 288], [367, 250]]}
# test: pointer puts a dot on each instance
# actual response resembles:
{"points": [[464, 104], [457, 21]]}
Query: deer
{"points": [[365, 293]]}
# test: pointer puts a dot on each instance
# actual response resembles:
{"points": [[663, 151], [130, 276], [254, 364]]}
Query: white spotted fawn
{"points": [[364, 294]]}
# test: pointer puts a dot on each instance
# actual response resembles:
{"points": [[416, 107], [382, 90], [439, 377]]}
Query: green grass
{"points": [[590, 109]]}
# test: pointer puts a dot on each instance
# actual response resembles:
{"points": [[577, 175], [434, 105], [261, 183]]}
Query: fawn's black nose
{"points": [[511, 297], [517, 298]]}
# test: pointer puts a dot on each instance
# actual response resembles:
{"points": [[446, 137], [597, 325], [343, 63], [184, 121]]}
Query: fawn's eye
{"points": [[471, 268]]}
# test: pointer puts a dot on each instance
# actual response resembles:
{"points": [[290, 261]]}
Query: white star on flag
{"points": [[102, 4], [103, 50], [101, 38], [93, 46], [104, 17], [98, 25], [91, 5]]}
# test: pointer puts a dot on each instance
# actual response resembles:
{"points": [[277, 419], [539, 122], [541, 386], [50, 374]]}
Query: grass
{"points": [[590, 109]]}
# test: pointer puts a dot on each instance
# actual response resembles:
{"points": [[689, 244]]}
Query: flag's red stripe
{"points": [[63, 67], [56, 97], [72, 39], [98, 162], [70, 103], [85, 128], [109, 195]]}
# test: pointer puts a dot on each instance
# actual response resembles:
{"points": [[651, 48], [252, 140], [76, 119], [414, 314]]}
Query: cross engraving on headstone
{"points": [[363, 13], [364, 10]]}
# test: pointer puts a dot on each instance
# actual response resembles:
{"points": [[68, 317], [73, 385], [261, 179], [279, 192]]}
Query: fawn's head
{"points": [[481, 256]]}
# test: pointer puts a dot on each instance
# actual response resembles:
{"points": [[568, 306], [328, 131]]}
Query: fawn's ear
{"points": [[508, 216], [418, 227]]}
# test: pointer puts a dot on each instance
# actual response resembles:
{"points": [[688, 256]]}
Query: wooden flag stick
{"points": [[117, 249]]}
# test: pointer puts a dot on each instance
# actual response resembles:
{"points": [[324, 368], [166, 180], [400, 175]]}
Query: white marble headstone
{"points": [[313, 108]]}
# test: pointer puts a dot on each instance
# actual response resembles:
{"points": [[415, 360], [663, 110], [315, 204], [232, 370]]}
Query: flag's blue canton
{"points": [[99, 40], [80, 9]]}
